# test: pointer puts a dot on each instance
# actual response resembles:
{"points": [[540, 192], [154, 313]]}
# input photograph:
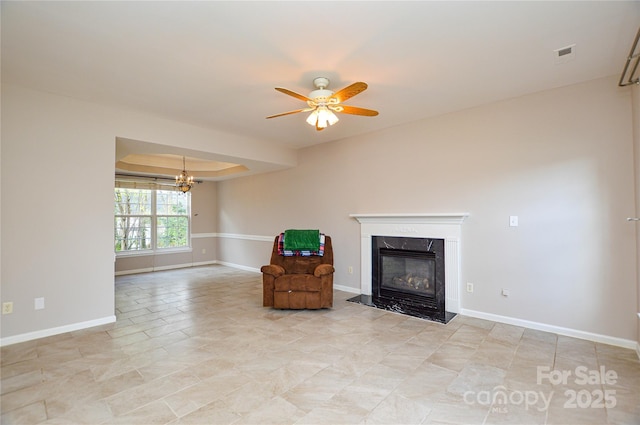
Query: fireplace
{"points": [[408, 276], [410, 263]]}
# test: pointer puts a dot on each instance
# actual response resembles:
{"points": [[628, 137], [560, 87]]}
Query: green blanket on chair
{"points": [[298, 240]]}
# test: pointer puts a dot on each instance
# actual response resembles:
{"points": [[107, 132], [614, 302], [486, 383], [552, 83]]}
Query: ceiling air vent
{"points": [[565, 54]]}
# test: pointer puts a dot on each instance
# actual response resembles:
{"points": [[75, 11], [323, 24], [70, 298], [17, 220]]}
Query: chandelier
{"points": [[184, 181]]}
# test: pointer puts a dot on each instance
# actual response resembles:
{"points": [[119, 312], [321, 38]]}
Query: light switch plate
{"points": [[38, 303], [513, 221]]}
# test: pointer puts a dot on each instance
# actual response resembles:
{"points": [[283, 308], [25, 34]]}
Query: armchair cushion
{"points": [[298, 282]]}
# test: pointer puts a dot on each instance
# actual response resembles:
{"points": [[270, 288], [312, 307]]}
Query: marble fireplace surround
{"points": [[445, 226]]}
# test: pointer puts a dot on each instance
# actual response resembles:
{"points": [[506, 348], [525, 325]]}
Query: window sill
{"points": [[149, 253]]}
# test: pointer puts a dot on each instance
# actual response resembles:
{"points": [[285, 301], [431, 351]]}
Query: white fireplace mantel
{"points": [[445, 226], [424, 218]]}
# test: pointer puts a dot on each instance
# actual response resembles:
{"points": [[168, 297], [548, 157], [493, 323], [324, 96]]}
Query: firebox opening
{"points": [[409, 272]]}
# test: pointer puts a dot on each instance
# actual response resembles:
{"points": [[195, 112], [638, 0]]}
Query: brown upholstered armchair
{"points": [[298, 282]]}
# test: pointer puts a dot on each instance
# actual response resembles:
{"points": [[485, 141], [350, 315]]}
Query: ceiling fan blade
{"points": [[288, 113], [292, 93], [350, 91], [354, 110]]}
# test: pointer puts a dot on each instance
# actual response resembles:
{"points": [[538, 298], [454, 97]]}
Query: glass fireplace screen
{"points": [[408, 271]]}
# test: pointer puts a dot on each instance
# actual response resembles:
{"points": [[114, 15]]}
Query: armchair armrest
{"points": [[273, 270], [323, 270]]}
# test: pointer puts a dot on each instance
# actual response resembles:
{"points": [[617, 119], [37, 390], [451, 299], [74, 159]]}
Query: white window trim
{"points": [[154, 232]]}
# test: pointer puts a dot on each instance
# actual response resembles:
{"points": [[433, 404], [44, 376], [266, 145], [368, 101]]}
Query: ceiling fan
{"points": [[322, 103]]}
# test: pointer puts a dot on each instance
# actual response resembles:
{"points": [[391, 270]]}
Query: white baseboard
{"points": [[55, 331], [172, 267], [604, 339], [239, 266], [347, 289], [204, 263], [161, 268], [134, 271]]}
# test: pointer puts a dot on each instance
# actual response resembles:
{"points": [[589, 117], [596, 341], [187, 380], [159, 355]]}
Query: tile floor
{"points": [[195, 346]]}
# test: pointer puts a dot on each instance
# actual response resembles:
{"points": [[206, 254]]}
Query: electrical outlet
{"points": [[7, 308], [513, 220], [350, 270], [470, 287]]}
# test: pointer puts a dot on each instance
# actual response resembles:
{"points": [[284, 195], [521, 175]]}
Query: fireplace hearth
{"points": [[408, 277]]}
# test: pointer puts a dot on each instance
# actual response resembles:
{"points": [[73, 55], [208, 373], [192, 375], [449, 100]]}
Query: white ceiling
{"points": [[215, 64]]}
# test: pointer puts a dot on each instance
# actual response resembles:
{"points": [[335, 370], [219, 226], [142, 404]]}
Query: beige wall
{"points": [[55, 240], [57, 234], [561, 160]]}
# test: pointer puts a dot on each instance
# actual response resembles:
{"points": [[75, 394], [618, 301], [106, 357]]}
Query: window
{"points": [[150, 220]]}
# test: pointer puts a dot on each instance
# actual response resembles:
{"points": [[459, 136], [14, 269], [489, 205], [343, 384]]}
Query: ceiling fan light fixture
{"points": [[324, 103], [322, 117]]}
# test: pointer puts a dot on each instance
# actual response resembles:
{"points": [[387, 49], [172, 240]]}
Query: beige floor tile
{"points": [[495, 352], [405, 363], [396, 409], [195, 346], [154, 413], [248, 398], [507, 334], [17, 382], [136, 397], [540, 337], [308, 399], [531, 351], [469, 336], [563, 411], [452, 355], [476, 378], [18, 353], [425, 381], [516, 413], [30, 414], [472, 321], [205, 392], [357, 399], [89, 413], [276, 411], [216, 412], [568, 363], [576, 349], [452, 409], [331, 415]]}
